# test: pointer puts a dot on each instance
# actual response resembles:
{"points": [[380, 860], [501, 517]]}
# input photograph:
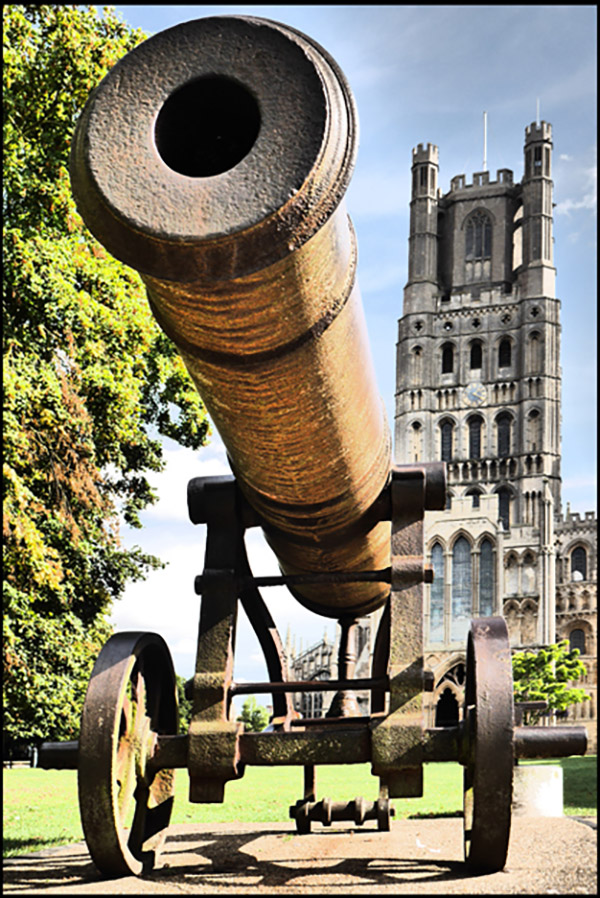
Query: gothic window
{"points": [[503, 426], [462, 595], [534, 353], [476, 355], [446, 709], [478, 237], [504, 506], [534, 434], [446, 432], [577, 640], [447, 358], [504, 354], [579, 564], [475, 496], [416, 431], [537, 160], [423, 174], [417, 357], [436, 601], [486, 579], [475, 437]]}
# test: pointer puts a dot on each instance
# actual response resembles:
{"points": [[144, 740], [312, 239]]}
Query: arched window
{"points": [[475, 494], [478, 237], [476, 355], [446, 431], [447, 358], [446, 709], [416, 431], [436, 601], [534, 431], [504, 354], [577, 640], [534, 353], [504, 506], [579, 564], [475, 437], [486, 579], [462, 589], [503, 424], [417, 358]]}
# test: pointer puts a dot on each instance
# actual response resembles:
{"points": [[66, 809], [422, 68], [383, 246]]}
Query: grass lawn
{"points": [[41, 809]]}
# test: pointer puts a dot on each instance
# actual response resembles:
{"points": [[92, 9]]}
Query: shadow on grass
{"points": [[13, 847]]}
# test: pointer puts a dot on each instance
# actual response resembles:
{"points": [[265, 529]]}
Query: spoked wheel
{"points": [[125, 805], [488, 721]]}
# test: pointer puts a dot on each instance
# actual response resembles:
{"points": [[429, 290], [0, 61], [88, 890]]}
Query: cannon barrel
{"points": [[214, 159]]}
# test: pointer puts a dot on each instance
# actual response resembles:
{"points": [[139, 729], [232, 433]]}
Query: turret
{"points": [[422, 255], [538, 272]]}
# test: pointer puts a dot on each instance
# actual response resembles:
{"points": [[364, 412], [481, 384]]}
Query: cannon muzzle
{"points": [[214, 159]]}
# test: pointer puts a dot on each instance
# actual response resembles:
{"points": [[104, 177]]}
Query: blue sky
{"points": [[419, 74]]}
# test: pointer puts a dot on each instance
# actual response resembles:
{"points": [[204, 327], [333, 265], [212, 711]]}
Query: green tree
{"points": [[547, 675], [185, 706], [254, 717], [90, 381]]}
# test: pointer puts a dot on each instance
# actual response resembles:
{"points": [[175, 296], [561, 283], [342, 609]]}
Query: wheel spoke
{"points": [[125, 809]]}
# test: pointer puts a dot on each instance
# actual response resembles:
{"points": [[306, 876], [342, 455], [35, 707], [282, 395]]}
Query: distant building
{"points": [[478, 385]]}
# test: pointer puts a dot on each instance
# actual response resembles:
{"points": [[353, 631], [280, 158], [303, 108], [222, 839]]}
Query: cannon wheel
{"points": [[125, 805], [488, 721]]}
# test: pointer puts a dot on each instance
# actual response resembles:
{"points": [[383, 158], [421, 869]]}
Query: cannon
{"points": [[214, 159]]}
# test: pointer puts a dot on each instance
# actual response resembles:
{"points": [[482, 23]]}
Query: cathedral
{"points": [[478, 385]]}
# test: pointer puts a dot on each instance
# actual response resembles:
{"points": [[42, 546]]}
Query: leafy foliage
{"points": [[546, 675], [90, 380], [255, 717], [185, 706]]}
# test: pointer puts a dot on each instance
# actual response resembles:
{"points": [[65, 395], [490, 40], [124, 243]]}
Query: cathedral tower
{"points": [[478, 386]]}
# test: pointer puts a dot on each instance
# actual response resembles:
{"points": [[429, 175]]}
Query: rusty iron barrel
{"points": [[214, 159]]}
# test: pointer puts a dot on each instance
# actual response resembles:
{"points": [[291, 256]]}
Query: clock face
{"points": [[475, 394]]}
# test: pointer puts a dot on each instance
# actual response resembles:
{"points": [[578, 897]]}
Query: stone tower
{"points": [[478, 386]]}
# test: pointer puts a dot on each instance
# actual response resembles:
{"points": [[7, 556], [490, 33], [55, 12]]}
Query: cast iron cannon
{"points": [[214, 159]]}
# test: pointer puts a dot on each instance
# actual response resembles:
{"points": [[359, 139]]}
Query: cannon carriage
{"points": [[214, 159]]}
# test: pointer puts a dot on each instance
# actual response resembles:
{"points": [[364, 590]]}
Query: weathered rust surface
{"points": [[214, 159], [125, 802], [488, 739]]}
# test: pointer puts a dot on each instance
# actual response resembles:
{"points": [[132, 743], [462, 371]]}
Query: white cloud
{"points": [[581, 188]]}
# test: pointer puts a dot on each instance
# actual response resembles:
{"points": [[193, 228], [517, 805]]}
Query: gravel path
{"points": [[421, 857]]}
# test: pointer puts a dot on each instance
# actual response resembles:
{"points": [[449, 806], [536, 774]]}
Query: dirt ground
{"points": [[555, 856]]}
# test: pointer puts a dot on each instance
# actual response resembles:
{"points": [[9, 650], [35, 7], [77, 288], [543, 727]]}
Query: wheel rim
{"points": [[125, 805], [488, 723]]}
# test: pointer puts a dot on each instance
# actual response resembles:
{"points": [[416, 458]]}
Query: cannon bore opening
{"points": [[207, 126]]}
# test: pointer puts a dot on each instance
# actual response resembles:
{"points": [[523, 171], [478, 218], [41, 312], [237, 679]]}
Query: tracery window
{"points": [[486, 579], [436, 601], [478, 237], [462, 591]]}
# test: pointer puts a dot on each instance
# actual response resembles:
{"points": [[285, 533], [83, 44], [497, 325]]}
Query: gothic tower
{"points": [[478, 386]]}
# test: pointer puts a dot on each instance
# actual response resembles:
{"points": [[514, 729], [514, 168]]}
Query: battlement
{"points": [[535, 132], [504, 176], [430, 153], [575, 517]]}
